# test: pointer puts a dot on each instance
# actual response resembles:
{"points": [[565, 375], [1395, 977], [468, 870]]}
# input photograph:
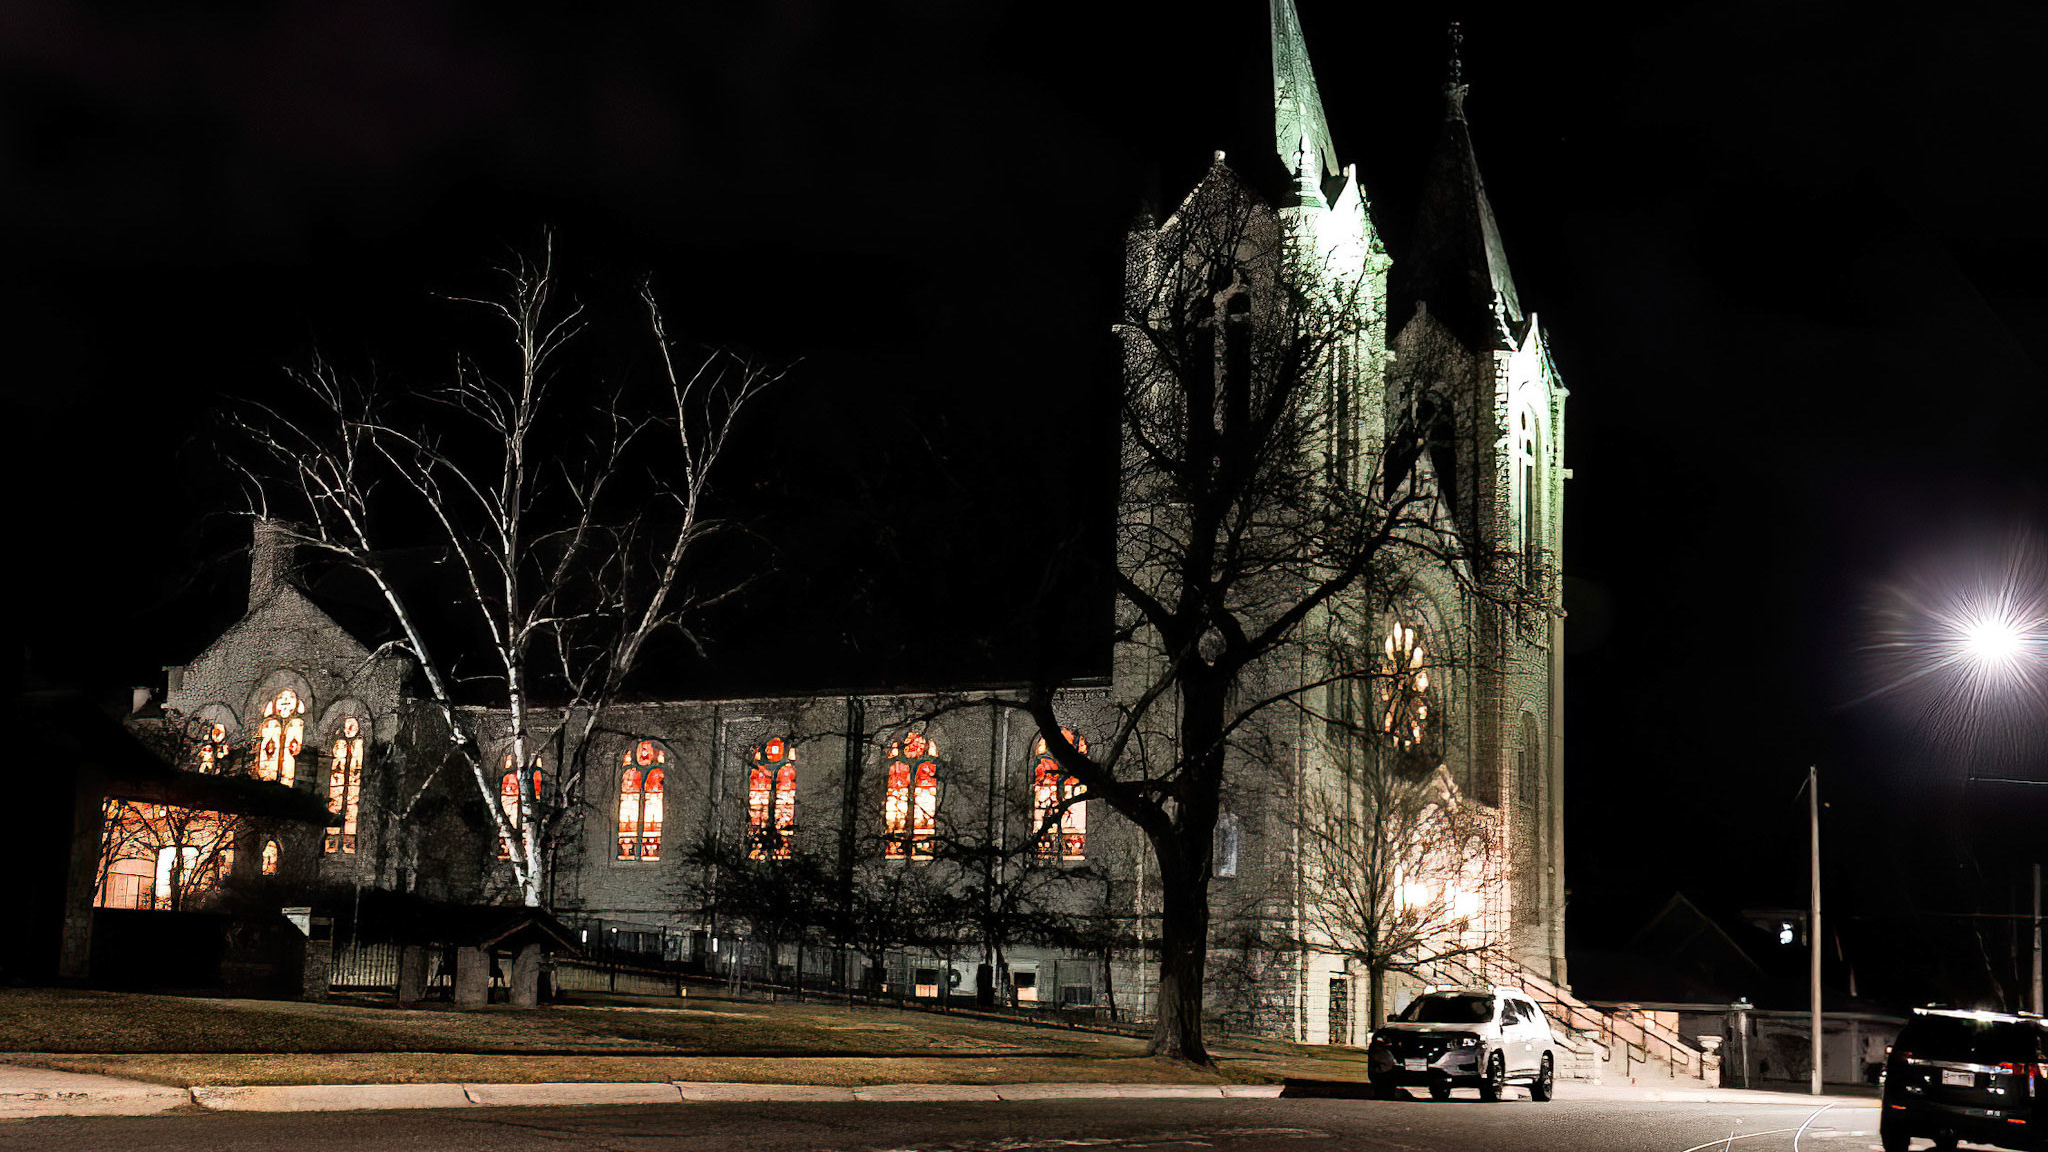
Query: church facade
{"points": [[1463, 662]]}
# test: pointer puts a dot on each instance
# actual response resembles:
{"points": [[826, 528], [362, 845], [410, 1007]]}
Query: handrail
{"points": [[1620, 1029]]}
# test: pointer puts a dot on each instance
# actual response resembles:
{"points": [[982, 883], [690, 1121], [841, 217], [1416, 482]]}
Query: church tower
{"points": [[1474, 376]]}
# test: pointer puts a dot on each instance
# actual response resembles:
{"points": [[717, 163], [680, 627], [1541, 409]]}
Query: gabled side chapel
{"points": [[1448, 353]]}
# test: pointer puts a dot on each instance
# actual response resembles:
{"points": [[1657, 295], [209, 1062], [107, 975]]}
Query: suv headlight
{"points": [[1464, 1041]]}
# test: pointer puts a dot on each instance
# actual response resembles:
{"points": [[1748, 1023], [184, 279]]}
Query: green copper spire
{"points": [[1301, 135]]}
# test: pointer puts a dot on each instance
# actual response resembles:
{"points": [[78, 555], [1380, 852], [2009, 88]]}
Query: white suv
{"points": [[1484, 1038]]}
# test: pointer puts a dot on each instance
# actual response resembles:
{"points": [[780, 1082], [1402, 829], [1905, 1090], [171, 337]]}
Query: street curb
{"points": [[500, 1095], [330, 1097], [352, 1097]]}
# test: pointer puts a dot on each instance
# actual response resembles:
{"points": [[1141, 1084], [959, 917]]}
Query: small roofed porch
{"points": [[475, 943]]}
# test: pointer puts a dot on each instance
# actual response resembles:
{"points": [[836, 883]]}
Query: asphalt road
{"points": [[1310, 1125]]}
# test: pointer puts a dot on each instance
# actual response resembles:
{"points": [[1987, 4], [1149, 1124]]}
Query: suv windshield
{"points": [[1970, 1041], [1449, 1008]]}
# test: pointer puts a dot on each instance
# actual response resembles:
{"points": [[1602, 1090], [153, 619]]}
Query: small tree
{"points": [[1397, 868], [775, 900], [570, 515]]}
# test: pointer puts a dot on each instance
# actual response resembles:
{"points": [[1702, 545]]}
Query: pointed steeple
{"points": [[1301, 136], [1457, 265]]}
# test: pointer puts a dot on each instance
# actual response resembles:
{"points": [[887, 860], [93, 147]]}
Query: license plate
{"points": [[1958, 1079], [1415, 1064]]}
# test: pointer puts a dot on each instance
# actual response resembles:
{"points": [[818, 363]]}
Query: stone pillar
{"points": [[412, 974], [472, 977], [316, 970], [526, 976]]}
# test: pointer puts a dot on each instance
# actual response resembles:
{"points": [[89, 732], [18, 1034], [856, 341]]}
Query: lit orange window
{"points": [[345, 785], [910, 810], [771, 800], [280, 737], [213, 750], [508, 799], [270, 857], [1050, 788], [640, 788], [163, 857], [1404, 688]]}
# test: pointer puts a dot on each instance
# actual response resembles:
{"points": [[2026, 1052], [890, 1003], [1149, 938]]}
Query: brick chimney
{"points": [[270, 559]]}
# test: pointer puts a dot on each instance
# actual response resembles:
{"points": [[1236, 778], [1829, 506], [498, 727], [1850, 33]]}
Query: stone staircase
{"points": [[1600, 1046]]}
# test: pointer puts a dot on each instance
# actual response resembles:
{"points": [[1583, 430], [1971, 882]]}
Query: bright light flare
{"points": [[1965, 648], [1991, 640]]}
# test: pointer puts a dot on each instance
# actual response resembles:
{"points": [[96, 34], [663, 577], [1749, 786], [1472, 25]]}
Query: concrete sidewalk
{"points": [[26, 1092]]}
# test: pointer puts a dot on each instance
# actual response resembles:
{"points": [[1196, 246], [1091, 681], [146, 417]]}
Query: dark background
{"points": [[1790, 258]]}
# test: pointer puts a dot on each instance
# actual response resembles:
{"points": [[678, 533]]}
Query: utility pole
{"points": [[1813, 926], [2037, 940]]}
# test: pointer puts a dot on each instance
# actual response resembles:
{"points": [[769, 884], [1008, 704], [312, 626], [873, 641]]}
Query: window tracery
{"points": [[1406, 713], [280, 737], [345, 785], [1051, 787], [213, 749], [910, 810], [771, 800], [640, 801]]}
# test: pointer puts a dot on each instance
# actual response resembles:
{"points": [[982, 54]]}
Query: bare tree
{"points": [[190, 851], [1256, 498], [570, 517], [1398, 866]]}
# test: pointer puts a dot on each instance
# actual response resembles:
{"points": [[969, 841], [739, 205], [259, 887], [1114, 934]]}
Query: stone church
{"points": [[1444, 355]]}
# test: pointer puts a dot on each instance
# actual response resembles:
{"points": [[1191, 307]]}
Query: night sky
{"points": [[1789, 256]]}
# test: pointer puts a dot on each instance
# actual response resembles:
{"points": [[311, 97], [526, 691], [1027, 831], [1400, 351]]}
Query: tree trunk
{"points": [[1183, 956], [1377, 980]]}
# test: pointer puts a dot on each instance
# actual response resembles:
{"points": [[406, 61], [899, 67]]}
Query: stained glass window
{"points": [[771, 800], [279, 738], [910, 809], [1404, 688], [508, 799], [345, 785], [213, 749], [642, 775], [1050, 788]]}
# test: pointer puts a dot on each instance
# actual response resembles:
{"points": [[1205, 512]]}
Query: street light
{"points": [[2002, 638]]}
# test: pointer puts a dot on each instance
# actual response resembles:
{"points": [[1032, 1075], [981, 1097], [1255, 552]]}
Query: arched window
{"points": [[640, 788], [270, 857], [911, 809], [1051, 787], [508, 799], [1529, 764], [771, 800], [1229, 840], [345, 785], [1406, 713], [213, 749], [1528, 529], [279, 738], [1404, 687]]}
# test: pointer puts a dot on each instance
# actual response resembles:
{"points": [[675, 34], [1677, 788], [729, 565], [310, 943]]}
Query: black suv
{"points": [[1977, 1076]]}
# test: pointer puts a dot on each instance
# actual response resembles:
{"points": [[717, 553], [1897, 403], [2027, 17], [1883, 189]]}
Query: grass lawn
{"points": [[190, 1040]]}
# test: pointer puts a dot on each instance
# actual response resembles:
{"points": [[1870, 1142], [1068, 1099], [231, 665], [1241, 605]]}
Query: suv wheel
{"points": [[1386, 1090], [1893, 1137], [1496, 1082], [1439, 1091], [1545, 1084]]}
